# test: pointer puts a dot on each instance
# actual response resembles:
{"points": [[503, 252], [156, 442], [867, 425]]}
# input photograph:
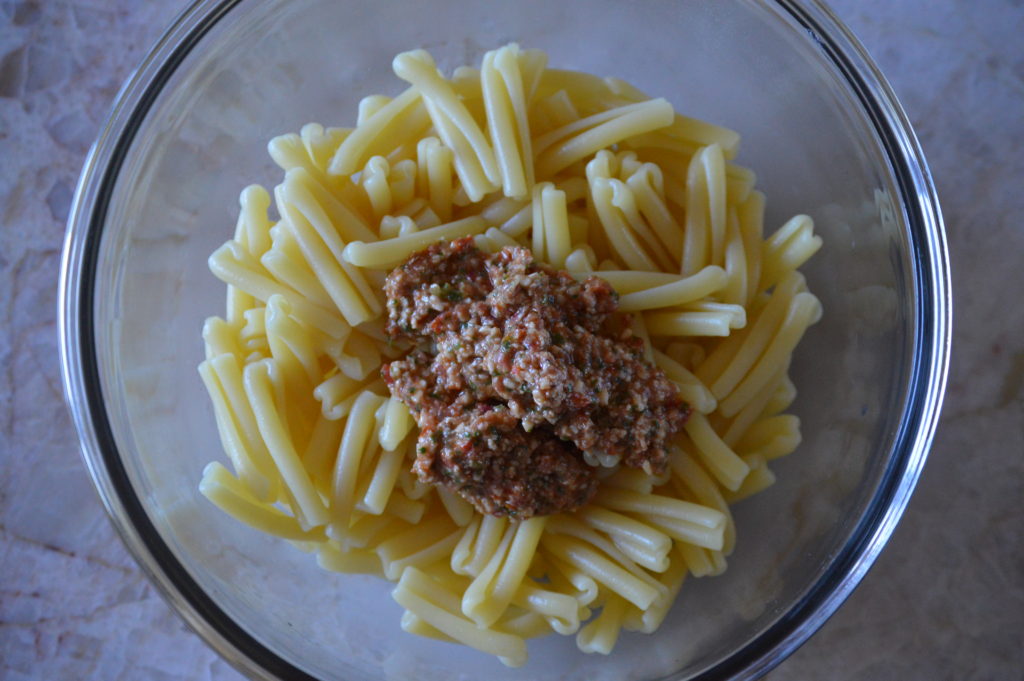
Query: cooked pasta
{"points": [[595, 178]]}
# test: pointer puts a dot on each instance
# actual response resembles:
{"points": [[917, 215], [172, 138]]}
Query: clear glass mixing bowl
{"points": [[159, 192]]}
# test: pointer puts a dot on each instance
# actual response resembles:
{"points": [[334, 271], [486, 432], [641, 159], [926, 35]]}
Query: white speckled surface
{"points": [[944, 601]]}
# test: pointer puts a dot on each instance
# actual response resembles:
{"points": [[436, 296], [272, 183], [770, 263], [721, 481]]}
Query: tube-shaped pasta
{"points": [[397, 424], [413, 593], [719, 322], [596, 178], [506, 104], [357, 432], [474, 158], [252, 219], [233, 265], [622, 239], [726, 366], [648, 621], [318, 456], [601, 633], [685, 290], [359, 146], [647, 185], [688, 473], [723, 463], [606, 572], [294, 272], [459, 510], [418, 546], [374, 180], [772, 437], [259, 479], [434, 167], [258, 388], [735, 290], [233, 498], [478, 602], [658, 505], [788, 249], [622, 529], [381, 482], [690, 387], [760, 478], [803, 311], [625, 201], [348, 561], [391, 252], [633, 119]]}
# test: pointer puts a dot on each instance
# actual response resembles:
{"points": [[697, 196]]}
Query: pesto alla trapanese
{"points": [[594, 178], [521, 378]]}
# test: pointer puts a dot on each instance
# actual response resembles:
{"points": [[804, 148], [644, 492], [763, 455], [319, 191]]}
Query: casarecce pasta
{"points": [[595, 178]]}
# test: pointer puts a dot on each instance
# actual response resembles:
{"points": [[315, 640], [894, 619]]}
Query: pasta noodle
{"points": [[594, 177]]}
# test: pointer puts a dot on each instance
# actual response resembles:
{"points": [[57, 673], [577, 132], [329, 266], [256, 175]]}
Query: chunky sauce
{"points": [[518, 370]]}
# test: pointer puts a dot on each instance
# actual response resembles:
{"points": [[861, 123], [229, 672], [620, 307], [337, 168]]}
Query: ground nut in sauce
{"points": [[517, 371]]}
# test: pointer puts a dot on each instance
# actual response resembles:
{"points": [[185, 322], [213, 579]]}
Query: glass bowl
{"points": [[158, 193]]}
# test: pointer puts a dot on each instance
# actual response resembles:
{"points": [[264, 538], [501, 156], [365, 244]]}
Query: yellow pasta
{"points": [[259, 480], [596, 178], [289, 152], [686, 290], [760, 478], [359, 146], [601, 633], [357, 357], [347, 289], [624, 199], [691, 479], [492, 591], [348, 561], [771, 437], [318, 456], [459, 510], [706, 322], [570, 526], [357, 432], [434, 175], [374, 180], [660, 506], [601, 569], [647, 621], [721, 461], [561, 612], [291, 271], [803, 311], [474, 158], [381, 482], [555, 224], [507, 103], [486, 539], [391, 252], [621, 124], [236, 267], [624, 242], [640, 542], [258, 389], [414, 592], [418, 546], [788, 248], [233, 497]]}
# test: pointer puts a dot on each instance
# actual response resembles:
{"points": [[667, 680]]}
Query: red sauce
{"points": [[519, 369]]}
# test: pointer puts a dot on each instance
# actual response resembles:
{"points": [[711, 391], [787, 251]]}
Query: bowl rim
{"points": [[926, 382]]}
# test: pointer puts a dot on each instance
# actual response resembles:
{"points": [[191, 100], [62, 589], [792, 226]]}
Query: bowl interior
{"points": [[270, 66]]}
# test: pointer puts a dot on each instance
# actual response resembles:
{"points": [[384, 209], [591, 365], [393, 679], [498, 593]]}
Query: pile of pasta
{"points": [[596, 178]]}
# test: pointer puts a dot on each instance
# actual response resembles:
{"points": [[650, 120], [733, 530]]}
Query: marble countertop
{"points": [[945, 599]]}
